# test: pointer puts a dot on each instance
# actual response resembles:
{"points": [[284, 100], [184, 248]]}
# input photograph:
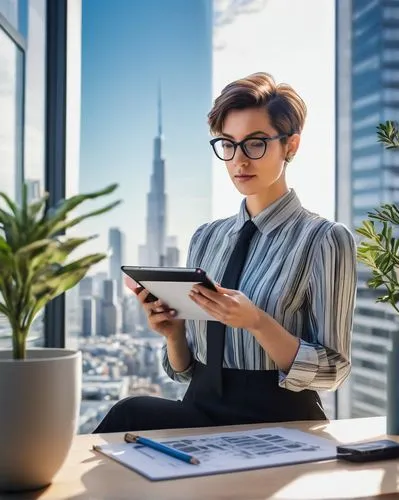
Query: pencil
{"points": [[132, 438]]}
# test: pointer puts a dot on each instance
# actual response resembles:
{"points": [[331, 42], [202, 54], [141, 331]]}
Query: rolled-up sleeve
{"points": [[181, 377], [324, 362], [185, 376]]}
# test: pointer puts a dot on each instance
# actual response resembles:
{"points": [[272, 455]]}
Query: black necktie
{"points": [[215, 329]]}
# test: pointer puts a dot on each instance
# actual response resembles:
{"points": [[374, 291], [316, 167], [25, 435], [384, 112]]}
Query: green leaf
{"points": [[57, 216], [56, 253], [388, 134], [69, 281], [89, 260], [7, 263], [4, 246], [62, 226], [12, 206], [36, 207], [4, 310], [363, 232], [36, 245]]}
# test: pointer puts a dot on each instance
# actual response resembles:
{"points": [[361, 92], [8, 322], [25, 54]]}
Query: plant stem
{"points": [[19, 343]]}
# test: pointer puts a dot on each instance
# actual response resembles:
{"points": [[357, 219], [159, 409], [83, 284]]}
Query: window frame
{"points": [[55, 146]]}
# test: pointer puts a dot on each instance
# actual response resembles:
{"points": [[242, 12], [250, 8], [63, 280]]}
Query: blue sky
{"points": [[127, 47]]}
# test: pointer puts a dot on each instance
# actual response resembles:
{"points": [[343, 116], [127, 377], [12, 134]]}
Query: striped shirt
{"points": [[301, 270]]}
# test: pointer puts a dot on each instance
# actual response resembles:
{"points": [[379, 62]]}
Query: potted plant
{"points": [[380, 252], [40, 389]]}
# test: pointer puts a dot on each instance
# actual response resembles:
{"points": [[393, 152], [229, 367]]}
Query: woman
{"points": [[284, 307]]}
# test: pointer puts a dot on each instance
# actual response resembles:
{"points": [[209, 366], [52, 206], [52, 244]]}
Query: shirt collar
{"points": [[272, 216]]}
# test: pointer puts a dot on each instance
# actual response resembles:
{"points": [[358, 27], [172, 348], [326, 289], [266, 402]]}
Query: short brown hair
{"points": [[286, 109]]}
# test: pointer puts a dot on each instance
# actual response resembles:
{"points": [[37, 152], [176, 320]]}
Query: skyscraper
{"points": [[86, 287], [367, 175], [89, 317], [116, 240], [172, 253], [111, 314], [153, 252]]}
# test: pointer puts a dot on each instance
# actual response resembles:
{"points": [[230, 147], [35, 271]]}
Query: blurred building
{"points": [[99, 315], [110, 310], [86, 287], [98, 280], [172, 252], [129, 307], [116, 243], [89, 317], [367, 93], [33, 190]]}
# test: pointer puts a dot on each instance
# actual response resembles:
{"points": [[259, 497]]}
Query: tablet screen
{"points": [[172, 286]]}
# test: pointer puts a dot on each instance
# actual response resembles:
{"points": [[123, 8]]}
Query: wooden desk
{"points": [[88, 475]]}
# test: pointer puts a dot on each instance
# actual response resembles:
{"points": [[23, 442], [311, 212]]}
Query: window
{"points": [[391, 55], [368, 121], [391, 94], [391, 13], [390, 75], [366, 201], [366, 65], [154, 108], [363, 142], [389, 112], [148, 81], [364, 101], [366, 183], [366, 8], [367, 162], [22, 103], [390, 159], [391, 35]]}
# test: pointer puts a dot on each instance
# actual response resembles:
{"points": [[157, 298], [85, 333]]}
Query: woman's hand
{"points": [[230, 307], [160, 318]]}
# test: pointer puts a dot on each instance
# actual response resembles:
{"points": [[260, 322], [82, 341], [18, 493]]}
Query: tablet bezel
{"points": [[184, 274]]}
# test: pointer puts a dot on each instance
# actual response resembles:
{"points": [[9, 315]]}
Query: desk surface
{"points": [[89, 475]]}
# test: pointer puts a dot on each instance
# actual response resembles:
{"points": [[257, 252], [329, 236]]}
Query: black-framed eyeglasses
{"points": [[253, 147]]}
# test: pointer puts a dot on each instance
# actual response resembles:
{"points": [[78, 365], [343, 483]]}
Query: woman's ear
{"points": [[292, 147]]}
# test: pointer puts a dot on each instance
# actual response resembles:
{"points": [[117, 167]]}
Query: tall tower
{"points": [[367, 175], [153, 254]]}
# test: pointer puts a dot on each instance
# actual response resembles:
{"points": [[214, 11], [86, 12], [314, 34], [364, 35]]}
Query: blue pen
{"points": [[132, 438]]}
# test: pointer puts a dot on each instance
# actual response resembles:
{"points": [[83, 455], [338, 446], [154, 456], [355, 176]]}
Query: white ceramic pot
{"points": [[39, 412]]}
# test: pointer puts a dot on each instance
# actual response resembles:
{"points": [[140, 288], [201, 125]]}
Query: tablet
{"points": [[172, 285]]}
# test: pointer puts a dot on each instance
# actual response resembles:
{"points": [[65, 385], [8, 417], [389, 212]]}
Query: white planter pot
{"points": [[39, 411]]}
